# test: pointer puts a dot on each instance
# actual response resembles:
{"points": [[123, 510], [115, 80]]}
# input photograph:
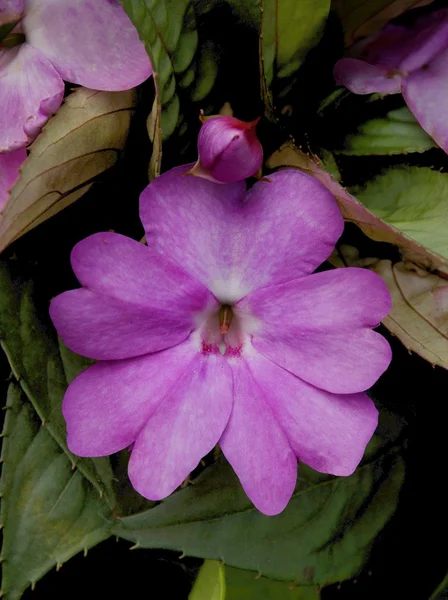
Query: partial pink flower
{"points": [[10, 164], [228, 149], [93, 44], [218, 332], [411, 60]]}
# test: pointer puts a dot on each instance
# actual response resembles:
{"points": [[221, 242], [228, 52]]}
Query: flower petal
{"points": [[30, 92], [256, 446], [10, 164], [361, 77], [184, 428], [117, 266], [425, 92], [134, 302], [90, 43], [10, 11], [284, 229], [316, 328], [328, 432], [107, 405]]}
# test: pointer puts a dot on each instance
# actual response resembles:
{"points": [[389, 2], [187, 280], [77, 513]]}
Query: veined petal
{"points": [[92, 43], [184, 427], [133, 302], [318, 328], [30, 92], [328, 432], [257, 447], [10, 164], [282, 229], [360, 77], [425, 92], [107, 405]]}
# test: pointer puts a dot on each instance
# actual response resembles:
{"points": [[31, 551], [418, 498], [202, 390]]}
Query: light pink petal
{"points": [[363, 78], [229, 149], [256, 446], [319, 328], [108, 404], [328, 432], [119, 267], [104, 328], [283, 228], [30, 92], [92, 43], [341, 362], [335, 300], [134, 302], [10, 164], [425, 92], [10, 11], [184, 428]]}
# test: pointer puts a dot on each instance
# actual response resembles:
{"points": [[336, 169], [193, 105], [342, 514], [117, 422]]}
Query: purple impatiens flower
{"points": [[228, 149], [219, 332], [89, 42], [10, 164], [410, 60]]}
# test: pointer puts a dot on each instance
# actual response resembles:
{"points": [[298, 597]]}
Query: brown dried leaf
{"points": [[79, 143], [354, 211], [419, 315]]}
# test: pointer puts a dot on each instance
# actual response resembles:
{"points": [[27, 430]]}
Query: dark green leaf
{"points": [[247, 585], [323, 536], [42, 370], [50, 512], [210, 582], [397, 133], [441, 593]]}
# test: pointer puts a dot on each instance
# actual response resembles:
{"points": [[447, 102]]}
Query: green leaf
{"points": [[414, 201], [168, 29], [210, 582], [397, 133], [290, 29], [323, 536], [42, 370], [247, 585], [49, 511], [441, 593]]}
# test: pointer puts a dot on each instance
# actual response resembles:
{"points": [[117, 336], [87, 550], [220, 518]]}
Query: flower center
{"points": [[225, 318]]}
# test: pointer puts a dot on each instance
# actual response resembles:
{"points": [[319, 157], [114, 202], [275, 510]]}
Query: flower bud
{"points": [[228, 149]]}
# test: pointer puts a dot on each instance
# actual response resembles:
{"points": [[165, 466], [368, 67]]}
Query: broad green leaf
{"points": [[354, 211], [42, 371], [168, 29], [210, 582], [290, 29], [419, 315], [323, 536], [397, 133], [81, 141], [364, 17], [49, 512], [415, 201], [247, 585]]}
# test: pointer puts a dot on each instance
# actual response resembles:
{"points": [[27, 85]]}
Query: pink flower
{"points": [[413, 61], [228, 150], [91, 43], [10, 164], [218, 332]]}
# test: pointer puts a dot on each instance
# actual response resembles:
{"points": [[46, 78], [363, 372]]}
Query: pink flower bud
{"points": [[228, 150]]}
